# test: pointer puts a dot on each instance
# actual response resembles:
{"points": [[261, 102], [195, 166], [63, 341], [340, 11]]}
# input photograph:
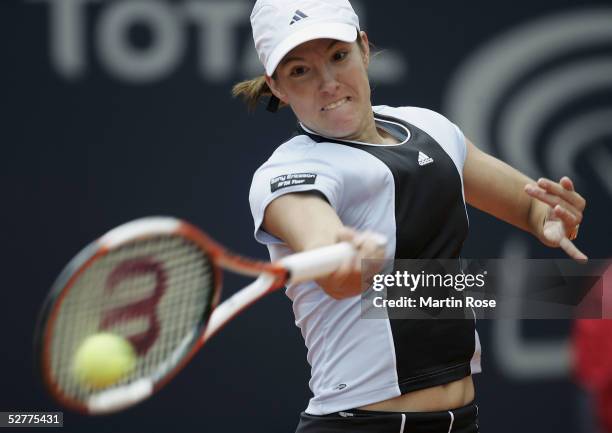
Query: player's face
{"points": [[326, 84]]}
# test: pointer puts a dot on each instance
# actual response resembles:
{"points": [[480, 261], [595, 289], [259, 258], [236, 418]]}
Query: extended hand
{"points": [[565, 207], [347, 280]]}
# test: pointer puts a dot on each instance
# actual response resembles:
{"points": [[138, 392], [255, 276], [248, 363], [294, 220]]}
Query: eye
{"points": [[298, 71], [340, 55]]}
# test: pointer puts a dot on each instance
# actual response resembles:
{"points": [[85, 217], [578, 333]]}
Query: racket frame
{"points": [[139, 230]]}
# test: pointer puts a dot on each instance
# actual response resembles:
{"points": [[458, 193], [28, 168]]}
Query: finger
{"points": [[572, 251], [360, 240], [550, 199], [570, 219], [558, 189], [379, 239], [372, 249], [370, 237], [370, 245], [567, 183], [555, 188], [541, 194]]}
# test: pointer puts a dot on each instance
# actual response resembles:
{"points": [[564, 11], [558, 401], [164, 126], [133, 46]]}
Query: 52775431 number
{"points": [[31, 419]]}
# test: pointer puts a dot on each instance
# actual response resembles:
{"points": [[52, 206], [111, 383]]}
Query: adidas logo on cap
{"points": [[298, 15], [424, 159]]}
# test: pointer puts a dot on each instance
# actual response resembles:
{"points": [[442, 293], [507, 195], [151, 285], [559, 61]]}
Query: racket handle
{"points": [[317, 263]]}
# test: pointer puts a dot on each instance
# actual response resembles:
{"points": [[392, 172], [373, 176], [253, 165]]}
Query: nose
{"points": [[329, 80]]}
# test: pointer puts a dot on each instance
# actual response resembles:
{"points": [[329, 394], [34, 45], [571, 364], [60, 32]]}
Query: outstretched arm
{"points": [[306, 221], [549, 210]]}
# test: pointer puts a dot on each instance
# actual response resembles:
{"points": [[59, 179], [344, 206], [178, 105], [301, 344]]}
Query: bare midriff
{"points": [[449, 396]]}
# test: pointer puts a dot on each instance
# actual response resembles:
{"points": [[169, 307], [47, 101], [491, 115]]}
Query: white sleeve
{"points": [[286, 174], [461, 144]]}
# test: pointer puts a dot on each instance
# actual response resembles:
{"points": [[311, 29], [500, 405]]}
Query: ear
{"points": [[276, 89], [366, 47]]}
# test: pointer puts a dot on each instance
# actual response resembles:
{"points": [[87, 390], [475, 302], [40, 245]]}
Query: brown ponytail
{"points": [[251, 91]]}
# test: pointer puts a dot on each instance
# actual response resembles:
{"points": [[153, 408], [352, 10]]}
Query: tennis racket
{"points": [[156, 282]]}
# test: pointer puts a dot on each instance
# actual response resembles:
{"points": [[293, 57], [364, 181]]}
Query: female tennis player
{"points": [[352, 169]]}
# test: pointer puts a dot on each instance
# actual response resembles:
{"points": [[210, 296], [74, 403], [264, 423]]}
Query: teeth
{"points": [[335, 104]]}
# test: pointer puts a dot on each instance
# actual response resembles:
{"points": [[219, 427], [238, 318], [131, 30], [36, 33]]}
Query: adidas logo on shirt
{"points": [[424, 159], [299, 15]]}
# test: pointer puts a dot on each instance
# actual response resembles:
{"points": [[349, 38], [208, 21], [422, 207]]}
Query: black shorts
{"points": [[461, 420]]}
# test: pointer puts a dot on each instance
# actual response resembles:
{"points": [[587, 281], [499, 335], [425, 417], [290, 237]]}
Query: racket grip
{"points": [[316, 263]]}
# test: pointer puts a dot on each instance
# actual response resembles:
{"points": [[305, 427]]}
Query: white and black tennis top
{"points": [[412, 192]]}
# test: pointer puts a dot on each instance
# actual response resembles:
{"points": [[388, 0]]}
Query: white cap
{"points": [[281, 25]]}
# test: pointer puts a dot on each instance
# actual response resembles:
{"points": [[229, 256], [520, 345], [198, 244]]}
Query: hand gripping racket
{"points": [[156, 282]]}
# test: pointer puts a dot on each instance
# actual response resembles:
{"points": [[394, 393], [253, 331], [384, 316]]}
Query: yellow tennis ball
{"points": [[103, 359]]}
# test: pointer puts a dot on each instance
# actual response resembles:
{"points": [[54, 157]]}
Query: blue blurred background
{"points": [[114, 110]]}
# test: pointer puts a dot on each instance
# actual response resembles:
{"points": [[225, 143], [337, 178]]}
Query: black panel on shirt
{"points": [[431, 222]]}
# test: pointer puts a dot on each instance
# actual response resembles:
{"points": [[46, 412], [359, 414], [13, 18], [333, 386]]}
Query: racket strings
{"points": [[158, 288]]}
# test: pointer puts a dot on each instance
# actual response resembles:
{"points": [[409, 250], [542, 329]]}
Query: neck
{"points": [[372, 134], [369, 134]]}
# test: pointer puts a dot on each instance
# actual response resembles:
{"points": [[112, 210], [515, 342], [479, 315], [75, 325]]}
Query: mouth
{"points": [[336, 104]]}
